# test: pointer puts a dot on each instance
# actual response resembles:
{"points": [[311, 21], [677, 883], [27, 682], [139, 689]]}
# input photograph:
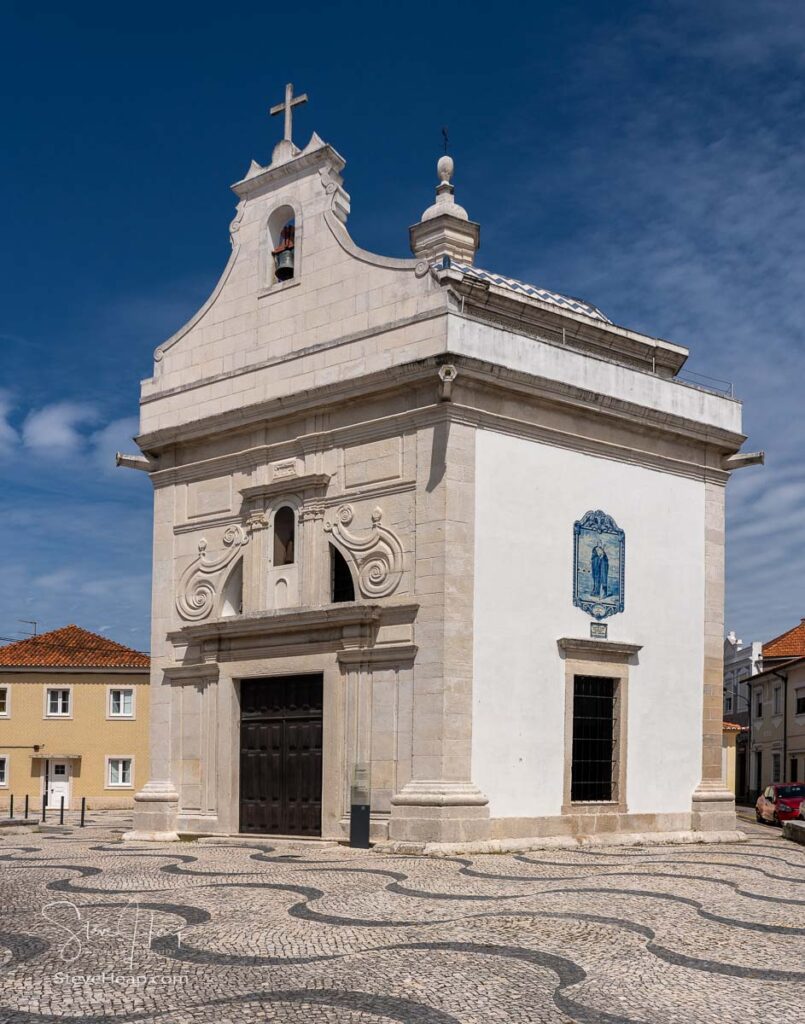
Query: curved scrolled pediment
{"points": [[198, 586], [377, 554]]}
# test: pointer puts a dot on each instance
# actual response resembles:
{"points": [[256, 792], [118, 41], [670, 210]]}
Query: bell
{"points": [[283, 264]]}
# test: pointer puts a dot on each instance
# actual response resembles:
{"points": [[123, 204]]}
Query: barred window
{"points": [[593, 769]]}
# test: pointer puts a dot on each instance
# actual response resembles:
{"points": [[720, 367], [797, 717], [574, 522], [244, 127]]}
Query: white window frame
{"points": [[7, 712], [58, 714], [111, 716], [108, 784], [6, 766]]}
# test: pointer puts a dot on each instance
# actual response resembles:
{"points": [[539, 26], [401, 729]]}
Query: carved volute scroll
{"points": [[378, 554], [198, 587]]}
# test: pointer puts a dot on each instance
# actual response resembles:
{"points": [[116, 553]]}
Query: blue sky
{"points": [[645, 156]]}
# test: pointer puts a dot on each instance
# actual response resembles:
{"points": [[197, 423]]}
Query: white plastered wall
{"points": [[528, 495]]}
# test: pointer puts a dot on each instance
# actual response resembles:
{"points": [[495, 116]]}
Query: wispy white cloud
{"points": [[114, 437], [8, 435], [55, 429]]}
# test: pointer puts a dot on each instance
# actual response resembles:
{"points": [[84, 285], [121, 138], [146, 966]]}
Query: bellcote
{"points": [[445, 228]]}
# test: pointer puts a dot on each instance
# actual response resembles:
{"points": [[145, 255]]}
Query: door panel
{"points": [[59, 784], [281, 755]]}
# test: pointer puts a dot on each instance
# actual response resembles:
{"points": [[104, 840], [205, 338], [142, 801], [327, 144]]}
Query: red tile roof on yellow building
{"points": [[790, 644], [70, 647]]}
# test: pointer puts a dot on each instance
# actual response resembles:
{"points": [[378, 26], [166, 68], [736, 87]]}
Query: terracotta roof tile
{"points": [[790, 644], [70, 647]]}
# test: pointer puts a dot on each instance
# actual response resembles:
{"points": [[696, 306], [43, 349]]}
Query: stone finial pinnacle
{"points": [[445, 227]]}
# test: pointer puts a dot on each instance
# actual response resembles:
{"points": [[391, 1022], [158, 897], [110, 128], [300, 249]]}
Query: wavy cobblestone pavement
{"points": [[94, 930]]}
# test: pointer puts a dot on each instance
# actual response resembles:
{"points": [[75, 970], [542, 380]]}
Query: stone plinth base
{"points": [[155, 811], [712, 810], [560, 843], [794, 830], [440, 812]]}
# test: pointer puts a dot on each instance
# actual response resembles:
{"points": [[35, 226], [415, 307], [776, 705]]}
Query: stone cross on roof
{"points": [[286, 107]]}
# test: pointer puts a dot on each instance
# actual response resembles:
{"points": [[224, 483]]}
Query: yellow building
{"points": [[729, 739], [73, 721]]}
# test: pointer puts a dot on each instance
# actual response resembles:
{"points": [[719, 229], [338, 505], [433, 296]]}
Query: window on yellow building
{"points": [[121, 703], [119, 771], [3, 771], [58, 702], [3, 702]]}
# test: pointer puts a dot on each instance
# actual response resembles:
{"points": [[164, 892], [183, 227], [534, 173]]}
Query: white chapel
{"points": [[428, 530]]}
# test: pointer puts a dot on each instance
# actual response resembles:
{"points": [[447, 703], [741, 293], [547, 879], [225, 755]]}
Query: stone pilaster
{"points": [[440, 802], [254, 563], [157, 803], [313, 560], [713, 805]]}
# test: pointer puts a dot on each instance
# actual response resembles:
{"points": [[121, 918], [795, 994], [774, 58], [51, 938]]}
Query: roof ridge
{"points": [[71, 645], [532, 290], [785, 633]]}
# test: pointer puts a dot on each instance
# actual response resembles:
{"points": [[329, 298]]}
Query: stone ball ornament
{"points": [[445, 168]]}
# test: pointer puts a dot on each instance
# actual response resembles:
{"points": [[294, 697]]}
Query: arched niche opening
{"points": [[232, 594], [342, 586], [284, 536], [284, 262]]}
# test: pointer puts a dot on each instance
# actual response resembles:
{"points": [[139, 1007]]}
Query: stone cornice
{"points": [[192, 673], [610, 649], [376, 656], [282, 624], [493, 374], [287, 484], [304, 161]]}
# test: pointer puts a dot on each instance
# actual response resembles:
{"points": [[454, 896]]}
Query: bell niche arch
{"points": [[282, 247], [283, 569]]}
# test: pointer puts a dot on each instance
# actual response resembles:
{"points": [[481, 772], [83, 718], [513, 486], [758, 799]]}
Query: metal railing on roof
{"points": [[706, 383]]}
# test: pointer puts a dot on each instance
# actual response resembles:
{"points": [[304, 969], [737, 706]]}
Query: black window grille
{"points": [[593, 767]]}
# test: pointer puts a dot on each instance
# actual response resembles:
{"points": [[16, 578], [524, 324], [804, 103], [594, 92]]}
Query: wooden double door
{"points": [[281, 755]]}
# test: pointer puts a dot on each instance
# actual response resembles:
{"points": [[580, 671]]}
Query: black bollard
{"points": [[26, 805], [359, 814], [11, 806], [44, 808], [61, 812], [83, 809]]}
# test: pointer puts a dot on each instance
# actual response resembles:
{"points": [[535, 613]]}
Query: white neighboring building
{"points": [[431, 527], [740, 662]]}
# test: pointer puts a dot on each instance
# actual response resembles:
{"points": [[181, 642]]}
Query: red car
{"points": [[780, 802]]}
